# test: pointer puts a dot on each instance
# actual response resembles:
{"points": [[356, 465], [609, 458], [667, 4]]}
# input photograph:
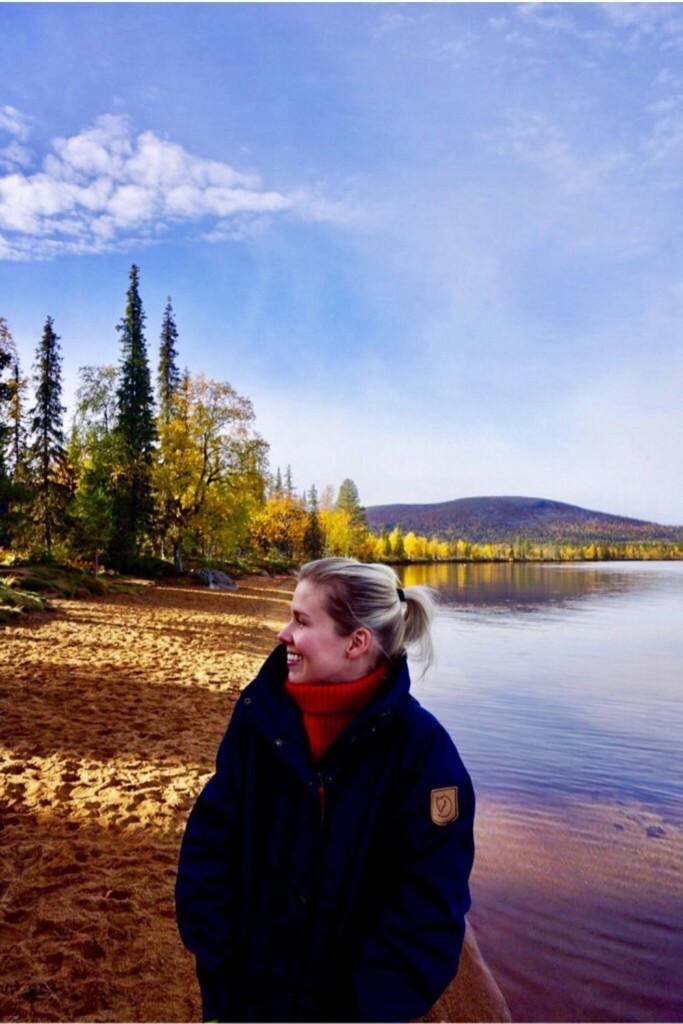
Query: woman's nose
{"points": [[284, 636]]}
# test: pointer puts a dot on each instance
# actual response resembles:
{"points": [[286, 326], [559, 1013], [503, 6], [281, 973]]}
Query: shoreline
{"points": [[111, 711]]}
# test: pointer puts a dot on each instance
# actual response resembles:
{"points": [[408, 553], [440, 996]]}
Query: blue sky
{"points": [[439, 246]]}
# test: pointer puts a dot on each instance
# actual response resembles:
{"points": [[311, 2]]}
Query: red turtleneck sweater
{"points": [[327, 708]]}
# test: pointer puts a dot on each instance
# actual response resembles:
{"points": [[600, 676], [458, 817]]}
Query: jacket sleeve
{"points": [[413, 949], [206, 880]]}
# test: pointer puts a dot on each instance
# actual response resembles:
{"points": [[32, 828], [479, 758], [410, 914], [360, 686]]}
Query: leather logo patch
{"points": [[444, 805]]}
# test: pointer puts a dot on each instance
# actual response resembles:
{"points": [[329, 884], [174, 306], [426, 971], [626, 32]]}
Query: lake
{"points": [[562, 686]]}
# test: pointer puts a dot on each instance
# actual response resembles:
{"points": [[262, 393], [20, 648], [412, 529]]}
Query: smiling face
{"points": [[315, 651]]}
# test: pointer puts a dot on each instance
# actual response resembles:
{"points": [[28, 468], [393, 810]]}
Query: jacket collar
{"points": [[278, 718]]}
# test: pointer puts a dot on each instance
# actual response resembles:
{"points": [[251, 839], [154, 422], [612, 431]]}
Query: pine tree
{"points": [[289, 484], [6, 356], [313, 538], [348, 499], [133, 505], [47, 454], [96, 399], [18, 386], [168, 375], [5, 427], [327, 498]]}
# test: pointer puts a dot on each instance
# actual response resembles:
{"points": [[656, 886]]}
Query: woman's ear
{"points": [[359, 643]]}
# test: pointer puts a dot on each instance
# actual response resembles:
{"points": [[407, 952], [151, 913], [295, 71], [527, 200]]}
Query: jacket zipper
{"points": [[321, 796], [304, 979]]}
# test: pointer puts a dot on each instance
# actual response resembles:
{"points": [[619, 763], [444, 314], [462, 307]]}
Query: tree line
{"points": [[153, 475], [172, 472]]}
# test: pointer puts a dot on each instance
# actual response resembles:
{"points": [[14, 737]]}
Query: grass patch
{"points": [[14, 600], [26, 588]]}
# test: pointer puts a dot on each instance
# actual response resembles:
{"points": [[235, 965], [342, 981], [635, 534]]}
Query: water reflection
{"points": [[563, 689], [557, 681], [528, 586]]}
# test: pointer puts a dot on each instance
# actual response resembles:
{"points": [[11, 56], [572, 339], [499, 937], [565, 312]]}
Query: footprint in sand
{"points": [[46, 926], [90, 949], [53, 963], [65, 869], [16, 789], [118, 894], [15, 916]]}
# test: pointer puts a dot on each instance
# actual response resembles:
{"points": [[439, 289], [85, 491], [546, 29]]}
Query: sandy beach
{"points": [[111, 710]]}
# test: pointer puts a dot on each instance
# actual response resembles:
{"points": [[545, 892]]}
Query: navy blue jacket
{"points": [[356, 914]]}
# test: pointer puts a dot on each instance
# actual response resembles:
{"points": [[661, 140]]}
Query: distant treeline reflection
{"points": [[518, 584]]}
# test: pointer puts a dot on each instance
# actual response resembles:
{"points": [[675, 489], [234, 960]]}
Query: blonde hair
{"points": [[370, 595]]}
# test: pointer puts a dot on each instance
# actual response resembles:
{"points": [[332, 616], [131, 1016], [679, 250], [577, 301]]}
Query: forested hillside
{"points": [[501, 519]]}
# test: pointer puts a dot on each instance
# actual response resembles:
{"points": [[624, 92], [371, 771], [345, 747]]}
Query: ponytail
{"points": [[419, 614]]}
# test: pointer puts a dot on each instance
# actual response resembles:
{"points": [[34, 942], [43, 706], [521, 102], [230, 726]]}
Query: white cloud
{"points": [[666, 137], [660, 23], [314, 206], [393, 21], [457, 48], [536, 141], [617, 26], [14, 155], [99, 185], [13, 122], [557, 19], [236, 229]]}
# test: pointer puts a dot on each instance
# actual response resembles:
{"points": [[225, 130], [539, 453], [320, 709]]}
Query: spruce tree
{"points": [[313, 538], [47, 453], [6, 354], [5, 427], [168, 375], [18, 387], [348, 499], [133, 504]]}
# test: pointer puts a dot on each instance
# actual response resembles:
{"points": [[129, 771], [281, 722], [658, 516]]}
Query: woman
{"points": [[324, 870]]}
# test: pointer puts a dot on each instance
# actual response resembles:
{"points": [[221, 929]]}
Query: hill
{"points": [[501, 519]]}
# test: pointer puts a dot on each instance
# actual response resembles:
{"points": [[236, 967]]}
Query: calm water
{"points": [[563, 689]]}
